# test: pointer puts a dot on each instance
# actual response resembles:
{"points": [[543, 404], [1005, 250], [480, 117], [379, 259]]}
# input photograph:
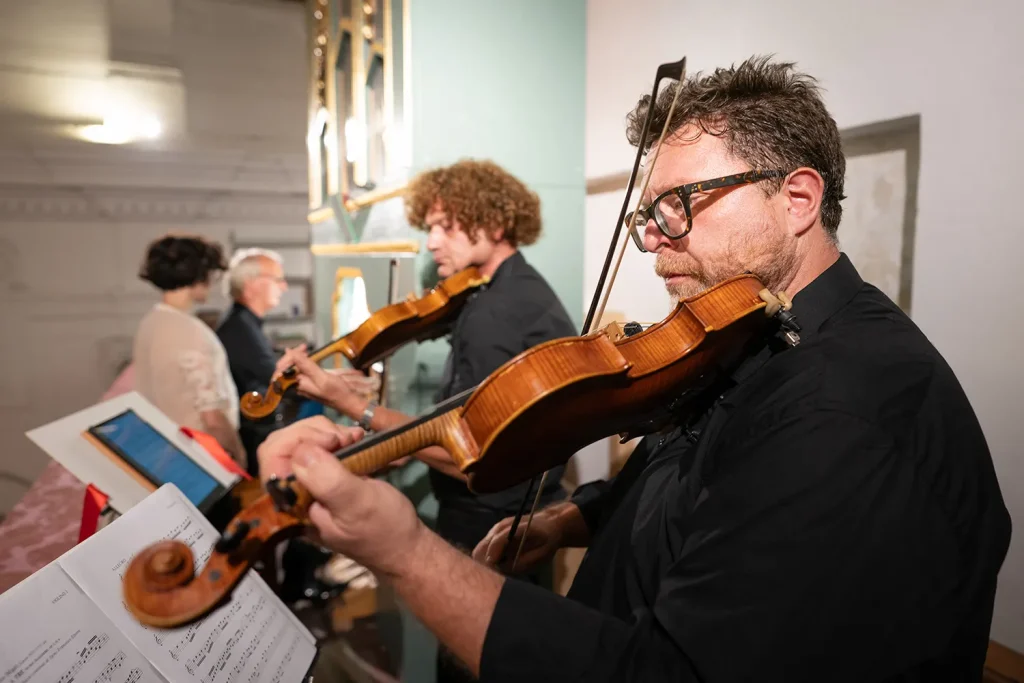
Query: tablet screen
{"points": [[154, 456]]}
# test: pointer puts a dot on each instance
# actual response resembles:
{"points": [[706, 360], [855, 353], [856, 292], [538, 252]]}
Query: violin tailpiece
{"points": [[779, 306], [775, 303]]}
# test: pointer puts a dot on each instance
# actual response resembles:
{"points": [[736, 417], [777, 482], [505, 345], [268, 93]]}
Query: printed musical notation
{"points": [[283, 668], [62, 636], [107, 675], [92, 646], [113, 666], [251, 639], [267, 647]]}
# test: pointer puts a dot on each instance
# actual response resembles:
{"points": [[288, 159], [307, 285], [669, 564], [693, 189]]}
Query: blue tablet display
{"points": [[160, 461]]}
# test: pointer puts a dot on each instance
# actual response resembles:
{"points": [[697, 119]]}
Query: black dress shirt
{"points": [[252, 361], [834, 516], [515, 311]]}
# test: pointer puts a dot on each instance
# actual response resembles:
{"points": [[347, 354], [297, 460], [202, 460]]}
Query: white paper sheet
{"points": [[53, 633], [252, 639]]}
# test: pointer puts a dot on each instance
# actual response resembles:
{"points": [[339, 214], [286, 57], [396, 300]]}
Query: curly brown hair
{"points": [[769, 115], [479, 195], [175, 261]]}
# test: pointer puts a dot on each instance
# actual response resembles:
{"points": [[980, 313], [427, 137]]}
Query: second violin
{"points": [[380, 335]]}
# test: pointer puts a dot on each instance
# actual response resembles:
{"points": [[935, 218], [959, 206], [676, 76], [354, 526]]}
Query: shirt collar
{"points": [[247, 313], [509, 265], [813, 306], [825, 295]]}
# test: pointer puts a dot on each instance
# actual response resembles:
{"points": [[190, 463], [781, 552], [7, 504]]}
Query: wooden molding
{"points": [[324, 213], [144, 205], [353, 204], [1005, 662], [397, 246]]}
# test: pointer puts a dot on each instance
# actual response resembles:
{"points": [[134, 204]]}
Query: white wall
{"points": [[228, 80], [953, 63]]}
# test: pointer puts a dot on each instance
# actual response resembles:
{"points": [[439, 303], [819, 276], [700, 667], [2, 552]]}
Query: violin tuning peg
{"points": [[283, 496], [233, 537]]}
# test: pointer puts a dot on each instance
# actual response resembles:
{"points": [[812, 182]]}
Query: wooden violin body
{"points": [[566, 394], [530, 415], [380, 335]]}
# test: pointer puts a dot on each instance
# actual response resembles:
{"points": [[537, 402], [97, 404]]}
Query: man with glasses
{"points": [[833, 513], [255, 282]]}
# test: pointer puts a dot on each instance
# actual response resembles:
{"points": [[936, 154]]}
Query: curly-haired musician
{"points": [[475, 214]]}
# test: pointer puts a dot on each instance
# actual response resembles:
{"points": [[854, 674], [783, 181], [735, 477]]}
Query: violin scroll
{"points": [[160, 585], [257, 406]]}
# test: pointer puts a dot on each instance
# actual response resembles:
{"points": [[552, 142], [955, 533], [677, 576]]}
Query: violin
{"points": [[562, 395], [380, 335]]}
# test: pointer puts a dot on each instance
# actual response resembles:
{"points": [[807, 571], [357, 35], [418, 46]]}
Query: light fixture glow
{"points": [[119, 128], [103, 135]]}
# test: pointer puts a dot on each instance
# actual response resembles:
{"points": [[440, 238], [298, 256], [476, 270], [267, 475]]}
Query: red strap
{"points": [[95, 503], [213, 447]]}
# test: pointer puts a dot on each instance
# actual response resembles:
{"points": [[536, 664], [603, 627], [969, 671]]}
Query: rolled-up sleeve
{"points": [[591, 499], [536, 635]]}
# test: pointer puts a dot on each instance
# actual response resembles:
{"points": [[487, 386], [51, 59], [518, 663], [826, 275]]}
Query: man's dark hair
{"points": [[173, 262], [769, 115]]}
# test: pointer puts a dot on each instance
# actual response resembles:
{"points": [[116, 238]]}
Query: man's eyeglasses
{"points": [[671, 209]]}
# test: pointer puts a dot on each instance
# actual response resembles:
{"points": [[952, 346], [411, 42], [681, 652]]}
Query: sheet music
{"points": [[254, 638], [53, 633]]}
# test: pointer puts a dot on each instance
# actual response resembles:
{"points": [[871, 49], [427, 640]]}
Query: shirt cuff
{"points": [[536, 635], [589, 498]]}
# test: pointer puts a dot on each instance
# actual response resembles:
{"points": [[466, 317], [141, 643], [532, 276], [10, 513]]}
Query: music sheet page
{"points": [[53, 633], [253, 638]]}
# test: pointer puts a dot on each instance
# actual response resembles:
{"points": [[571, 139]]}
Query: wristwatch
{"points": [[367, 417]]}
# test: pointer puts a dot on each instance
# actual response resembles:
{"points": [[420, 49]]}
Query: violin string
{"points": [[606, 294]]}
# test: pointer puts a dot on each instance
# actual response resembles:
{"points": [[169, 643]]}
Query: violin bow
{"points": [[674, 71]]}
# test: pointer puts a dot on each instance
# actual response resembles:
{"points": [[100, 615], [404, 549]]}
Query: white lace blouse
{"points": [[182, 368]]}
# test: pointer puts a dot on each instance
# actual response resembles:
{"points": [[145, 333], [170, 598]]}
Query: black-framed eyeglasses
{"points": [[671, 209]]}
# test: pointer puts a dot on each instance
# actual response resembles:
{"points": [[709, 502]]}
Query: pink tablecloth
{"points": [[42, 526]]}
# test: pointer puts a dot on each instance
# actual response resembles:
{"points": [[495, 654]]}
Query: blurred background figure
{"points": [[180, 364], [255, 282]]}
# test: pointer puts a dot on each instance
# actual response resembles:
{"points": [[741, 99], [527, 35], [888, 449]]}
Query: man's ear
{"points": [[802, 190]]}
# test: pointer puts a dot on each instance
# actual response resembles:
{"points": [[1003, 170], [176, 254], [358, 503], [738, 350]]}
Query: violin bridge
{"points": [[617, 331], [614, 331]]}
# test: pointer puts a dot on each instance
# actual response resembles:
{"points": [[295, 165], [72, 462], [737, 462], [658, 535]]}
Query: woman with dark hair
{"points": [[180, 364]]}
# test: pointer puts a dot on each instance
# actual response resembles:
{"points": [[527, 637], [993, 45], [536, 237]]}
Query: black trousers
{"points": [[465, 525]]}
